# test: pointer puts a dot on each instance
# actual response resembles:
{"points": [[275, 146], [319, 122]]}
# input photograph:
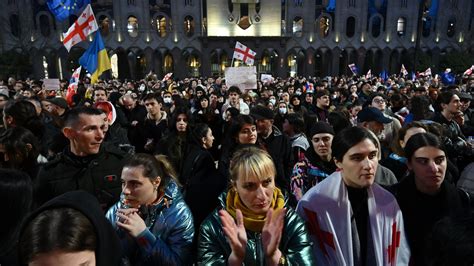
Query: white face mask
{"points": [[282, 110], [272, 101], [167, 100], [298, 93]]}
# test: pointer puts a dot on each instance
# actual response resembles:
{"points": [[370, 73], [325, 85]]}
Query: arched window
{"points": [[45, 28], [132, 26], [451, 27], [15, 25], [401, 26], [161, 26], [193, 65], [376, 26], [189, 26], [350, 27], [324, 26], [168, 64], [292, 65], [298, 26]]}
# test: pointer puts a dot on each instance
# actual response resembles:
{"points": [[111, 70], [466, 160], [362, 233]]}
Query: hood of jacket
{"points": [[108, 250]]}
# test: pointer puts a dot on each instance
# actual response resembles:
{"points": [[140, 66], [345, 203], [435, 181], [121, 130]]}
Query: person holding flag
{"points": [[95, 59]]}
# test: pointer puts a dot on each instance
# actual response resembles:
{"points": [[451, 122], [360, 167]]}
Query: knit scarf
{"points": [[253, 222]]}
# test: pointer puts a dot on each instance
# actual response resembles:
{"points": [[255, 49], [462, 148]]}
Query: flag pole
{"points": [[232, 64]]}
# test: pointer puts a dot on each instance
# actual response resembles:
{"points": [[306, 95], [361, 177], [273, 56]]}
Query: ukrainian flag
{"points": [[95, 59]]}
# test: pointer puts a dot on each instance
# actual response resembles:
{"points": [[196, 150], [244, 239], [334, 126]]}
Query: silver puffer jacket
{"points": [[169, 234]]}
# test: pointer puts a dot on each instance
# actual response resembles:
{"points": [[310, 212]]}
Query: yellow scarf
{"points": [[253, 222]]}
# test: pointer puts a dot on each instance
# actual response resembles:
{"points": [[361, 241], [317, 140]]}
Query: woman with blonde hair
{"points": [[253, 224]]}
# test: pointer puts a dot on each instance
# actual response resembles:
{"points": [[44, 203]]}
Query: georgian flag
{"points": [[327, 211], [404, 71], [82, 27], [244, 53], [167, 76], [72, 88], [427, 72]]}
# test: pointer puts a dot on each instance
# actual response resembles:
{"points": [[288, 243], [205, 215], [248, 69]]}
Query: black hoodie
{"points": [[108, 250]]}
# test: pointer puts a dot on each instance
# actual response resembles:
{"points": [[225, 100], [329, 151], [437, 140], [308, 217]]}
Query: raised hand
{"points": [[130, 221], [271, 235], [236, 235]]}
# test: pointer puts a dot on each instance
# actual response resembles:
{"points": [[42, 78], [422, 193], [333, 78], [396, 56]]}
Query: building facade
{"points": [[197, 38]]}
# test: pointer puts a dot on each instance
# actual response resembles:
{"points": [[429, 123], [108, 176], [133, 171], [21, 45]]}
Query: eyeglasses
{"points": [[379, 101]]}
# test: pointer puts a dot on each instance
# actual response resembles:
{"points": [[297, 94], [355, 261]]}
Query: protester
{"points": [[152, 221], [396, 161], [271, 139], [317, 163], [69, 230], [352, 220], [425, 197], [253, 225], [86, 164]]}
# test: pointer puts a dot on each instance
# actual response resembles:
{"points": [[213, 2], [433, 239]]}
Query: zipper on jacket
{"points": [[259, 249]]}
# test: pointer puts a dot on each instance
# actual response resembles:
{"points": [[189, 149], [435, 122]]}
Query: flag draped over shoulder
{"points": [[95, 59], [327, 211], [62, 9]]}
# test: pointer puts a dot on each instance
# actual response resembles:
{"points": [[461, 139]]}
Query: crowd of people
{"points": [[299, 171]]}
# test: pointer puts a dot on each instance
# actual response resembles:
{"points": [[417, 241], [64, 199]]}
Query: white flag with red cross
{"points": [[82, 27], [404, 71], [244, 53]]}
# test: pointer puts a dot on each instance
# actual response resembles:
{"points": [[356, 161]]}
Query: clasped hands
{"points": [[130, 220], [237, 236]]}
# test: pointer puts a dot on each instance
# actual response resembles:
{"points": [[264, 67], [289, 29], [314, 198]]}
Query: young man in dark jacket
{"points": [[86, 164]]}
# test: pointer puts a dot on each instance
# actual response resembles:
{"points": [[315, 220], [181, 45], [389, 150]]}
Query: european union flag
{"points": [[95, 59], [448, 78], [62, 9]]}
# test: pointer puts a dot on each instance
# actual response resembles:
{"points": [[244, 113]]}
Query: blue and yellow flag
{"points": [[62, 9], [95, 59]]}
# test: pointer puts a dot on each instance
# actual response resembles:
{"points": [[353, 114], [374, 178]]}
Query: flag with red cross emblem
{"points": [[82, 27]]}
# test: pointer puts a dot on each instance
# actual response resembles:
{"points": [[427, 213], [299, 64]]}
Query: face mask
{"points": [[298, 93], [167, 100], [282, 110], [272, 101]]}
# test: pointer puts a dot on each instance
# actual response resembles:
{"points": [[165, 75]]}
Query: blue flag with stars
{"points": [[62, 9]]}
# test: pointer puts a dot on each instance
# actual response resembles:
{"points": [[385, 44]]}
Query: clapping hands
{"points": [[237, 236]]}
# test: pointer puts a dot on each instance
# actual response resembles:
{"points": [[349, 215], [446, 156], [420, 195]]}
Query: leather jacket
{"points": [[295, 244], [168, 238]]}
